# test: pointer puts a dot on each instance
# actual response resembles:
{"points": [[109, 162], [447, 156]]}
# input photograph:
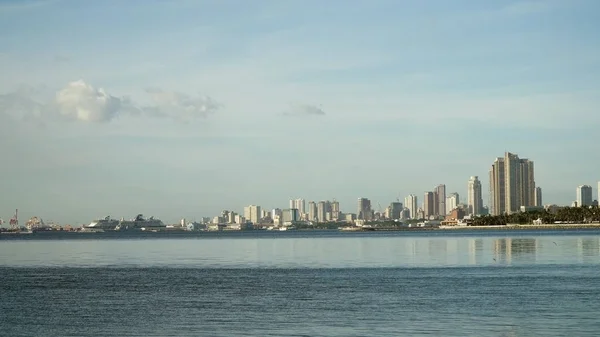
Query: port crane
{"points": [[14, 221]]}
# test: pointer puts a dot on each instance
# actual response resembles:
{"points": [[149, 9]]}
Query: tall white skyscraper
{"points": [[584, 195], [252, 213], [512, 184], [312, 211], [298, 204], [411, 203], [452, 202], [474, 197]]}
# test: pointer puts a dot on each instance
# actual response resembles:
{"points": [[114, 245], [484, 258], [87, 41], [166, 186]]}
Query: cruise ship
{"points": [[139, 223], [106, 224]]}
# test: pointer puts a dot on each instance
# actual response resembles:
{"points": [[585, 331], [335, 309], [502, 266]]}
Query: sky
{"points": [[186, 108]]}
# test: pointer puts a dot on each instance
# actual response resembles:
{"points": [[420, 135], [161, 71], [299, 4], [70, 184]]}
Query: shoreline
{"points": [[524, 227]]}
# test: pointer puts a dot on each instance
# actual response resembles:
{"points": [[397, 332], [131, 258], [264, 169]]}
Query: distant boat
{"points": [[139, 223], [101, 225]]}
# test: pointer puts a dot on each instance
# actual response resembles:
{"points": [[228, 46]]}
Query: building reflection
{"points": [[519, 249]]}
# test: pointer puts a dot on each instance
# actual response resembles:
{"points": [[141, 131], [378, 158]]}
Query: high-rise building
{"points": [[252, 213], [312, 211], [321, 211], [429, 204], [439, 200], [474, 197], [289, 216], [298, 204], [395, 210], [364, 209], [538, 197], [411, 203], [598, 192], [512, 184], [452, 202], [584, 195], [335, 210]]}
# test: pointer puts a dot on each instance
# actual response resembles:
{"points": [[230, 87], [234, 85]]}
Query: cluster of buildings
{"points": [[584, 196], [436, 205], [512, 188]]}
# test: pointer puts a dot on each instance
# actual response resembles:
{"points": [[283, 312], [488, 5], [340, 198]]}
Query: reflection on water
{"points": [[341, 251]]}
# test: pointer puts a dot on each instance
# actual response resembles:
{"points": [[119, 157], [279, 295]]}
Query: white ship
{"points": [[139, 223], [102, 224]]}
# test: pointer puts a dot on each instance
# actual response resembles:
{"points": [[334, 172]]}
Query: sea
{"points": [[302, 283]]}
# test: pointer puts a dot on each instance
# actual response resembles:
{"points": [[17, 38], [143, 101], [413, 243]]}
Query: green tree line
{"points": [[564, 214]]}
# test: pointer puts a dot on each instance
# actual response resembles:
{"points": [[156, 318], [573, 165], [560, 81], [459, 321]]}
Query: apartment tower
{"points": [[512, 184]]}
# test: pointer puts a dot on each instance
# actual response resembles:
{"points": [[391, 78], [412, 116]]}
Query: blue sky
{"points": [[185, 108]]}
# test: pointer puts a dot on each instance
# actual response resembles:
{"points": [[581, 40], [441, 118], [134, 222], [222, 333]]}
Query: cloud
{"points": [[179, 105], [305, 110], [80, 101]]}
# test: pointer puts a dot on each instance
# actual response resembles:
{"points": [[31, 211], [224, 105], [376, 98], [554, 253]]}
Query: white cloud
{"points": [[80, 101], [305, 110], [178, 105]]}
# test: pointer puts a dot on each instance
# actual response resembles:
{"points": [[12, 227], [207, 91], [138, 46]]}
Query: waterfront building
{"points": [[474, 196], [452, 202], [429, 204], [395, 211], [512, 184], [252, 213], [312, 211], [411, 203], [584, 195], [298, 204], [538, 197], [439, 200], [364, 209]]}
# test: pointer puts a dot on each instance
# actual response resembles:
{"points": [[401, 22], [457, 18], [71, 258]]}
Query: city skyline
{"points": [[225, 104]]}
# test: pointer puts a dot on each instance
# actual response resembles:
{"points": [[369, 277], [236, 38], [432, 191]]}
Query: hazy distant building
{"points": [[452, 202], [312, 211], [411, 203], [290, 215], [538, 197], [335, 210], [474, 196], [512, 184], [252, 213], [395, 210], [298, 204], [429, 204], [439, 200], [321, 211], [584, 195], [364, 209]]}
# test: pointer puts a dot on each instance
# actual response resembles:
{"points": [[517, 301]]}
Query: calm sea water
{"points": [[302, 284]]}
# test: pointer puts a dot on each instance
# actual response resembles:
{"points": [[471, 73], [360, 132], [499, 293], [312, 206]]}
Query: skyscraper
{"points": [[452, 202], [584, 195], [411, 203], [538, 197], [429, 204], [474, 198], [512, 184], [312, 211], [252, 213], [364, 209], [439, 200], [298, 204], [395, 210], [321, 211], [335, 210]]}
